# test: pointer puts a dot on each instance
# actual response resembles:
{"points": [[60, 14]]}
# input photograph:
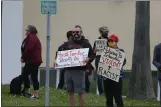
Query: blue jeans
{"points": [[99, 78]]}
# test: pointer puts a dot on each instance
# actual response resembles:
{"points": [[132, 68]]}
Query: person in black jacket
{"points": [[157, 63], [104, 35], [61, 82], [75, 76], [114, 89], [87, 74]]}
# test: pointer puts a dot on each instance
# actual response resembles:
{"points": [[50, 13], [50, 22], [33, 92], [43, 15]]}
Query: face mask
{"points": [[112, 44], [104, 34]]}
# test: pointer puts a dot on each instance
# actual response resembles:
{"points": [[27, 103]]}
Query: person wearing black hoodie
{"points": [[75, 76], [91, 68], [104, 35]]}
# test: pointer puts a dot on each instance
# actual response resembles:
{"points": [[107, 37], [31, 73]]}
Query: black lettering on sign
{"points": [[61, 59], [100, 70], [107, 73], [65, 65], [109, 67], [106, 52], [76, 58], [113, 76], [120, 55]]}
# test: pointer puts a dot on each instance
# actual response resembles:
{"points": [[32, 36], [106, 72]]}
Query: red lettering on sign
{"points": [[76, 53], [111, 62]]}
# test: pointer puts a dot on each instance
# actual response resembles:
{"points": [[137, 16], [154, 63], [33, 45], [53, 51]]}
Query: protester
{"points": [[157, 63], [31, 56], [75, 76], [90, 67], [81, 31], [61, 82], [104, 35], [112, 88]]}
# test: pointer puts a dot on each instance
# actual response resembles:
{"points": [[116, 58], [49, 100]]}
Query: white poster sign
{"points": [[112, 57], [111, 63], [108, 72], [71, 58], [100, 44]]}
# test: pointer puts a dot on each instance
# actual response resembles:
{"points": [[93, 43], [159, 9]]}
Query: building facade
{"points": [[91, 14]]}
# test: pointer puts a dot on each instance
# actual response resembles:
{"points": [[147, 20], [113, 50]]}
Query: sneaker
{"points": [[33, 97], [25, 94]]}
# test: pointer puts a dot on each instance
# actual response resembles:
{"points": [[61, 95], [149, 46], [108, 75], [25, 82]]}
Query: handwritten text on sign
{"points": [[108, 72], [100, 44], [112, 57], [71, 58]]}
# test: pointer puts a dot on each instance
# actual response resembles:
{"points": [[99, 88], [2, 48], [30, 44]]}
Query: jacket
{"points": [[31, 49], [157, 59]]}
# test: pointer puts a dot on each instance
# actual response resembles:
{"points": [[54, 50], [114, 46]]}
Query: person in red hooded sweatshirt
{"points": [[31, 56]]}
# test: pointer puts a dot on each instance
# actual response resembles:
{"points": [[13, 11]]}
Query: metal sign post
{"points": [[48, 7]]}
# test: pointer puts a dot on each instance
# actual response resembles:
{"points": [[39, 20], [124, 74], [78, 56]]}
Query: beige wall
{"points": [[118, 16]]}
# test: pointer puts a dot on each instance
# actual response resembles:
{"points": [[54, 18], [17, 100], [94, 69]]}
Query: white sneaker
{"points": [[33, 97]]}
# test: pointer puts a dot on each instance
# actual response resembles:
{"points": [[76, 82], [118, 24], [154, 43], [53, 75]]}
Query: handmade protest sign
{"points": [[100, 44], [111, 63], [108, 72], [112, 57], [71, 58]]}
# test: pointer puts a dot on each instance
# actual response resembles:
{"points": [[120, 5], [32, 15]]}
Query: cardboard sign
{"points": [[71, 58], [111, 63], [108, 72], [100, 44], [112, 57]]}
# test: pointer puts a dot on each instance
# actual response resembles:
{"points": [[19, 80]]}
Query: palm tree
{"points": [[141, 86]]}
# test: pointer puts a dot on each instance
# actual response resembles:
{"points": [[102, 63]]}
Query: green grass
{"points": [[60, 98], [125, 86]]}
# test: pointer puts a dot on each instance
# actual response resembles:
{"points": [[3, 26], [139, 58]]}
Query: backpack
{"points": [[15, 85]]}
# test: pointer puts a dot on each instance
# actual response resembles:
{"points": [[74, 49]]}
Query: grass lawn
{"points": [[59, 98]]}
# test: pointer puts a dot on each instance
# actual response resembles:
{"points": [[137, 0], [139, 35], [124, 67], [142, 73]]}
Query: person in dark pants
{"points": [[112, 88], [104, 35], [61, 82], [31, 56], [157, 63]]}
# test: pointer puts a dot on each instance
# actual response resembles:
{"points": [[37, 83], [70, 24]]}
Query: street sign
{"points": [[48, 6]]}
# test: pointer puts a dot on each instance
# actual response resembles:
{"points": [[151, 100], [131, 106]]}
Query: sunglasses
{"points": [[76, 32]]}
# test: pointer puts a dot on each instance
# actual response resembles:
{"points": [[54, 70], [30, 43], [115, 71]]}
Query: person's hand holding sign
{"points": [[86, 61]]}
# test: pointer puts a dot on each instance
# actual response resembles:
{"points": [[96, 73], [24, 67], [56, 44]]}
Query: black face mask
{"points": [[105, 35]]}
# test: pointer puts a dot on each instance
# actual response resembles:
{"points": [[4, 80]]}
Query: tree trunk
{"points": [[141, 85]]}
